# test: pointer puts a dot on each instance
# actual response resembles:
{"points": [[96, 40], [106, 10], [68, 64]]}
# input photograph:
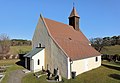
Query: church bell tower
{"points": [[74, 19]]}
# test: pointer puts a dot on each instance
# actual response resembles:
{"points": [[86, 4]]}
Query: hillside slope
{"points": [[111, 50]]}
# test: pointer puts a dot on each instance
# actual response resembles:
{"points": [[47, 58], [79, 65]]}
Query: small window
{"points": [[96, 59], [39, 45], [38, 62]]}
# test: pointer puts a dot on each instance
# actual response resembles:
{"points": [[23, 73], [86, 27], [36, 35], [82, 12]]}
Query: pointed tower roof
{"points": [[74, 13]]}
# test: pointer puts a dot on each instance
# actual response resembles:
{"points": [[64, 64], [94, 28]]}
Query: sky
{"points": [[98, 18]]}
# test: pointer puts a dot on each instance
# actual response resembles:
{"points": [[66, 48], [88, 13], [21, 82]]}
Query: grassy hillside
{"points": [[111, 50], [19, 49]]}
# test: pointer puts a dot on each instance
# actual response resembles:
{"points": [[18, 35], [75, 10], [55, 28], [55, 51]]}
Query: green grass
{"points": [[13, 66], [111, 50], [117, 63], [19, 49], [12, 63], [8, 62], [99, 75], [30, 78]]}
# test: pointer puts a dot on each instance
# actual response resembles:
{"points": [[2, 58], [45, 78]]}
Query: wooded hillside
{"points": [[20, 42], [100, 43]]}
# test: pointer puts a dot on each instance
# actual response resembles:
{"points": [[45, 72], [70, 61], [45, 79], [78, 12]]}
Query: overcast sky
{"points": [[98, 18]]}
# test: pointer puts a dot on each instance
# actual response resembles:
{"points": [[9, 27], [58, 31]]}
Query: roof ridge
{"points": [[59, 22]]}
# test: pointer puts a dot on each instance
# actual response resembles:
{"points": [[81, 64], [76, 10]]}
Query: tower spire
{"points": [[74, 19], [74, 13], [73, 4]]}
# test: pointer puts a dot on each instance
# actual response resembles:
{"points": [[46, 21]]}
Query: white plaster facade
{"points": [[37, 61], [83, 65], [34, 61]]}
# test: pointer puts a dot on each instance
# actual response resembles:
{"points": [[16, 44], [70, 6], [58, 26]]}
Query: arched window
{"points": [[38, 62]]}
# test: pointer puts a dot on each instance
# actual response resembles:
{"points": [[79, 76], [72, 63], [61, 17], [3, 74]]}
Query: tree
{"points": [[106, 41], [114, 40], [118, 40], [97, 43], [20, 42], [4, 44]]}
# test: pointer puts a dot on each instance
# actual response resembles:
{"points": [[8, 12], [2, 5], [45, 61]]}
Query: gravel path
{"points": [[16, 76]]}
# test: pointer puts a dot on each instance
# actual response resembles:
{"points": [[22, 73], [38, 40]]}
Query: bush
{"points": [[111, 57]]}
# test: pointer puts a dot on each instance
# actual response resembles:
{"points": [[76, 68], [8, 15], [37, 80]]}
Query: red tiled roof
{"points": [[73, 42]]}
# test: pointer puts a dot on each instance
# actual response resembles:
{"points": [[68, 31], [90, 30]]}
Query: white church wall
{"points": [[83, 65], [35, 67], [92, 63], [69, 68]]}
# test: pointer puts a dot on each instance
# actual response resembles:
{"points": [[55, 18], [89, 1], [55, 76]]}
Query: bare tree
{"points": [[4, 44], [97, 43]]}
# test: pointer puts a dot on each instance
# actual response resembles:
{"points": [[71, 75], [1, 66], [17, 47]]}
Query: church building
{"points": [[56, 45]]}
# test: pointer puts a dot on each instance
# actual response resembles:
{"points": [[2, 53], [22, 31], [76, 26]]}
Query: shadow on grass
{"points": [[115, 76], [118, 63], [112, 67], [21, 63]]}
